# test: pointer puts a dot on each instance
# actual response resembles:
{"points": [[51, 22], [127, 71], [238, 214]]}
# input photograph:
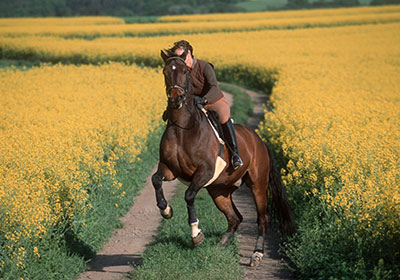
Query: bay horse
{"points": [[189, 150]]}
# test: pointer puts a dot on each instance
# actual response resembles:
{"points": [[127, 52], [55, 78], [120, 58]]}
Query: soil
{"points": [[127, 244]]}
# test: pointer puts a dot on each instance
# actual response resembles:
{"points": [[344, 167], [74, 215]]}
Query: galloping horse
{"points": [[189, 150]]}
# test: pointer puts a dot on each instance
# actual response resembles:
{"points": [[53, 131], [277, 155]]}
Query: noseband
{"points": [[176, 103]]}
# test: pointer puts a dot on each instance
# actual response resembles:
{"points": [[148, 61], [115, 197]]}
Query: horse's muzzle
{"points": [[177, 102]]}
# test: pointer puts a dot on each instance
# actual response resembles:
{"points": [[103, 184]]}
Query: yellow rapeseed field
{"points": [[336, 111], [56, 21], [336, 103], [121, 30], [63, 127], [337, 116]]}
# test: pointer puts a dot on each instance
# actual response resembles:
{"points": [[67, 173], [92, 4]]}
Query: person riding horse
{"points": [[208, 94], [189, 153]]}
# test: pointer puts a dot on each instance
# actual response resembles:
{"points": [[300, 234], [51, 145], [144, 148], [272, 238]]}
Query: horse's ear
{"points": [[164, 56]]}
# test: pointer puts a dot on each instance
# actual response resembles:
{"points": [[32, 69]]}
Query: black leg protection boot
{"points": [[230, 137]]}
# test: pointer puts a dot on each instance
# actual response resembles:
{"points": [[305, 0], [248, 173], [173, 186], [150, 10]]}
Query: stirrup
{"points": [[236, 161]]}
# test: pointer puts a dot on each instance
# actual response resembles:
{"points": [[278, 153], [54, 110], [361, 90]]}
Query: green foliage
{"points": [[297, 4], [384, 2], [324, 248], [140, 19], [248, 76], [242, 107], [261, 5], [18, 64], [123, 8], [134, 8], [29, 8], [312, 4]]}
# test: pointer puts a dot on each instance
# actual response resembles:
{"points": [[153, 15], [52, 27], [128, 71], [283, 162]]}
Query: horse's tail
{"points": [[280, 200]]}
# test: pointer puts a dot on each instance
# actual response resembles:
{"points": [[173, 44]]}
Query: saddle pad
{"points": [[214, 123], [219, 166]]}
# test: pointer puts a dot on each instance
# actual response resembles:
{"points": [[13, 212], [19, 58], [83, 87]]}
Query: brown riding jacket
{"points": [[204, 81]]}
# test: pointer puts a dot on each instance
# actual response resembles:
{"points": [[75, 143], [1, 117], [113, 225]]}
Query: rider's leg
{"points": [[221, 106], [223, 110], [230, 136]]}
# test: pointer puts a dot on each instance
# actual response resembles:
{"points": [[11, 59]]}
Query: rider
{"points": [[205, 85]]}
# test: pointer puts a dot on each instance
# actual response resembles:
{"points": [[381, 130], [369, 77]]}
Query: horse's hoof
{"points": [[198, 239], [167, 212], [226, 240], [256, 259]]}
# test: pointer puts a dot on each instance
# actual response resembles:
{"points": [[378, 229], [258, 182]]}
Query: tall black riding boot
{"points": [[230, 138]]}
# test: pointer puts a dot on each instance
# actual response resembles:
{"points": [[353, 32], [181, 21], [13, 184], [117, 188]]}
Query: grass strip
{"points": [[172, 256]]}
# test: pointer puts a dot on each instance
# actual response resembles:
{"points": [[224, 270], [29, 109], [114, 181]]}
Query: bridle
{"points": [[177, 103]]}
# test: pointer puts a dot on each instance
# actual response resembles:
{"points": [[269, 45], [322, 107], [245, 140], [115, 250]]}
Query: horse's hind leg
{"points": [[163, 174], [223, 200], [259, 190]]}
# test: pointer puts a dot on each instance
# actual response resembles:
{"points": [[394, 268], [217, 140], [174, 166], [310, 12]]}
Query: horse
{"points": [[191, 152]]}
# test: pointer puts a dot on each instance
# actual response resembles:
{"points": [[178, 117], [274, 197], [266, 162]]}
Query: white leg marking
{"points": [[195, 228], [166, 211]]}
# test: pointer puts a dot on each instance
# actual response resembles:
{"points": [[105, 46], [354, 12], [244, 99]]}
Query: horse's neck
{"points": [[191, 125], [182, 119]]}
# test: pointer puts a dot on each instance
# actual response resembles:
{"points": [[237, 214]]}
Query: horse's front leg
{"points": [[199, 180], [163, 174]]}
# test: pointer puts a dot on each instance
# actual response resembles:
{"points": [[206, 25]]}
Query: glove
{"points": [[200, 100]]}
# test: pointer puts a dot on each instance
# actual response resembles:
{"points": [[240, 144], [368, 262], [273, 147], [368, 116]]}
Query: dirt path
{"points": [[272, 266], [126, 244]]}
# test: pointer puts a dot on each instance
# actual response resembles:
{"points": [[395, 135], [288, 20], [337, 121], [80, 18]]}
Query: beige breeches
{"points": [[222, 108]]}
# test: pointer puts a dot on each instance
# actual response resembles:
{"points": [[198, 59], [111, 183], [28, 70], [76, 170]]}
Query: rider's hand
{"points": [[200, 100]]}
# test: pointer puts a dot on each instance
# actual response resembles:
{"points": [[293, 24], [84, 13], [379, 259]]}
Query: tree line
{"points": [[123, 8], [307, 4], [126, 8]]}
